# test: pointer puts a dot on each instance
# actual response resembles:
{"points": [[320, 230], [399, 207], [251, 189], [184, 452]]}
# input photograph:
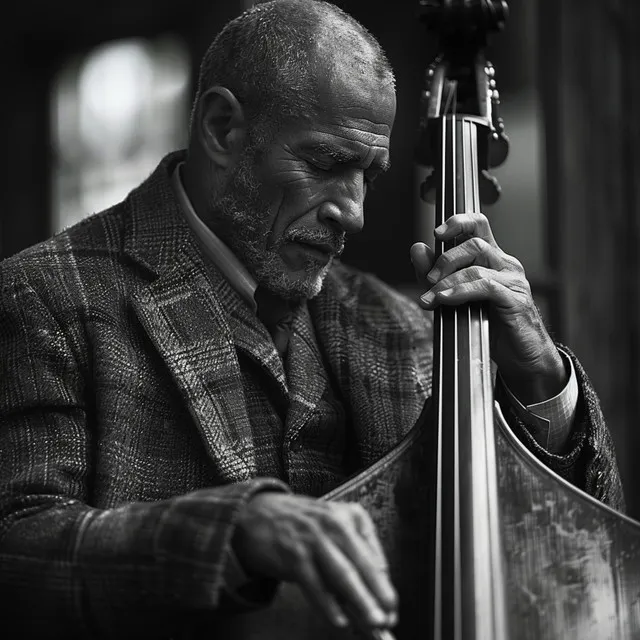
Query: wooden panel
{"points": [[589, 70], [24, 126]]}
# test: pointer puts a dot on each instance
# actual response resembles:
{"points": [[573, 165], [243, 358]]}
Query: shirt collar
{"points": [[214, 249]]}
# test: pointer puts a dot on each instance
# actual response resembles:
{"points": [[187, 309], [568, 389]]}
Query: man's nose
{"points": [[343, 209]]}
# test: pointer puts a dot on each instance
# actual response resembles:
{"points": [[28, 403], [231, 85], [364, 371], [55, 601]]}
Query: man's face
{"points": [[288, 205]]}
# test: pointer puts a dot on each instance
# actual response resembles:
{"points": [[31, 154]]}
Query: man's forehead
{"points": [[358, 101], [353, 121], [377, 122], [341, 143]]}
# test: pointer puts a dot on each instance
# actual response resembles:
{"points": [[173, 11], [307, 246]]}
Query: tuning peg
{"points": [[498, 142], [489, 187], [428, 189], [498, 148]]}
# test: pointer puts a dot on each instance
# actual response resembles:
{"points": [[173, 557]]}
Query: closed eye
{"points": [[317, 167], [369, 177]]}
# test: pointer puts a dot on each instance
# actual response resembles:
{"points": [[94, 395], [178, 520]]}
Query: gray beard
{"points": [[243, 220]]}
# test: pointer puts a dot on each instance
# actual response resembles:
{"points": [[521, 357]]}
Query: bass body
{"points": [[572, 564]]}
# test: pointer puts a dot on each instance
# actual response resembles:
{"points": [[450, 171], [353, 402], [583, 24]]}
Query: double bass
{"points": [[484, 542]]}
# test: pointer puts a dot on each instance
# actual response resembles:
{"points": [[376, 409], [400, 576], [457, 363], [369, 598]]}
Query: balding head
{"points": [[276, 57]]}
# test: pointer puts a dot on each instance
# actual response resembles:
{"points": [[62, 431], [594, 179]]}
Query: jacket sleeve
{"points": [[589, 460], [68, 569]]}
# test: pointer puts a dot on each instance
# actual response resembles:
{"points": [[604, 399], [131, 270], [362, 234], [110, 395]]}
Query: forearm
{"points": [[133, 571]]}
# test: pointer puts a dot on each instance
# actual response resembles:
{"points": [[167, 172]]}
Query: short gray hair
{"points": [[264, 57]]}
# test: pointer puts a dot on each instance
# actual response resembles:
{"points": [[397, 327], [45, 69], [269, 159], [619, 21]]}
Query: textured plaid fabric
{"points": [[298, 423], [132, 430]]}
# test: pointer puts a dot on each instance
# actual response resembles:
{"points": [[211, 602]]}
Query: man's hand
{"points": [[477, 269], [330, 549]]}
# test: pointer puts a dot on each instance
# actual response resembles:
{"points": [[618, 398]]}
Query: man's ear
{"points": [[221, 125]]}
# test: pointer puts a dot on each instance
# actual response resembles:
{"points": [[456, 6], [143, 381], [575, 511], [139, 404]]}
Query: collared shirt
{"points": [[214, 249], [551, 420]]}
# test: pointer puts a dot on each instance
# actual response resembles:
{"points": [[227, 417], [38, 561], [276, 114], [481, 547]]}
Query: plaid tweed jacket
{"points": [[126, 450]]}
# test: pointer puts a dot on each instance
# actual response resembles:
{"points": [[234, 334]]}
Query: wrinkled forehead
{"points": [[349, 93]]}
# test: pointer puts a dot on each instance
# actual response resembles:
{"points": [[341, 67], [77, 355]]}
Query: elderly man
{"points": [[185, 373]]}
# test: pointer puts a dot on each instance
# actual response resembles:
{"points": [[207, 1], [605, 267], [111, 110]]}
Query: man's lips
{"points": [[320, 250], [324, 247]]}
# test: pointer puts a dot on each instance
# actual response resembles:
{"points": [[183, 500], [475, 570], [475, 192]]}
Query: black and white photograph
{"points": [[320, 320]]}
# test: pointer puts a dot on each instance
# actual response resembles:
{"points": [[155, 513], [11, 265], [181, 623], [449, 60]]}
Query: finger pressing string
{"points": [[475, 291], [473, 224], [474, 251], [422, 258]]}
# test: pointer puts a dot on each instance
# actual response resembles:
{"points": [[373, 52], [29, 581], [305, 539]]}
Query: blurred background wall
{"points": [[94, 93]]}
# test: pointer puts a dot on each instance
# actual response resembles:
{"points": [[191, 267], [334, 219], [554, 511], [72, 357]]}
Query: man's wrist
{"points": [[539, 381]]}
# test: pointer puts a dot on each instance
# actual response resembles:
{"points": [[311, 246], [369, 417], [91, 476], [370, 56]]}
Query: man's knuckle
{"points": [[343, 524], [480, 244], [358, 510], [493, 286], [330, 519], [314, 528], [299, 554], [479, 217], [515, 264], [307, 528]]}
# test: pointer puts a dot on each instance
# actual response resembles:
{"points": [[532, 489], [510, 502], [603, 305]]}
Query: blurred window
{"points": [[116, 111]]}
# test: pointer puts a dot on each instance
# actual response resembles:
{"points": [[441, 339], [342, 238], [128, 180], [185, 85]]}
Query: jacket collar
{"points": [[156, 234]]}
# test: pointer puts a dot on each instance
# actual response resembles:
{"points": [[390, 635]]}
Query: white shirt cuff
{"points": [[550, 422]]}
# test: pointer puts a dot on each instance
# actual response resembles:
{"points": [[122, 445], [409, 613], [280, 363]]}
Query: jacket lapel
{"points": [[252, 337], [307, 374], [188, 327]]}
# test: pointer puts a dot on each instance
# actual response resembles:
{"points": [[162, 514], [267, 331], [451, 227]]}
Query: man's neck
{"points": [[193, 178]]}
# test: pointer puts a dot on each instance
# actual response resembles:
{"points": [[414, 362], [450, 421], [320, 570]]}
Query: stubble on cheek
{"points": [[258, 219]]}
